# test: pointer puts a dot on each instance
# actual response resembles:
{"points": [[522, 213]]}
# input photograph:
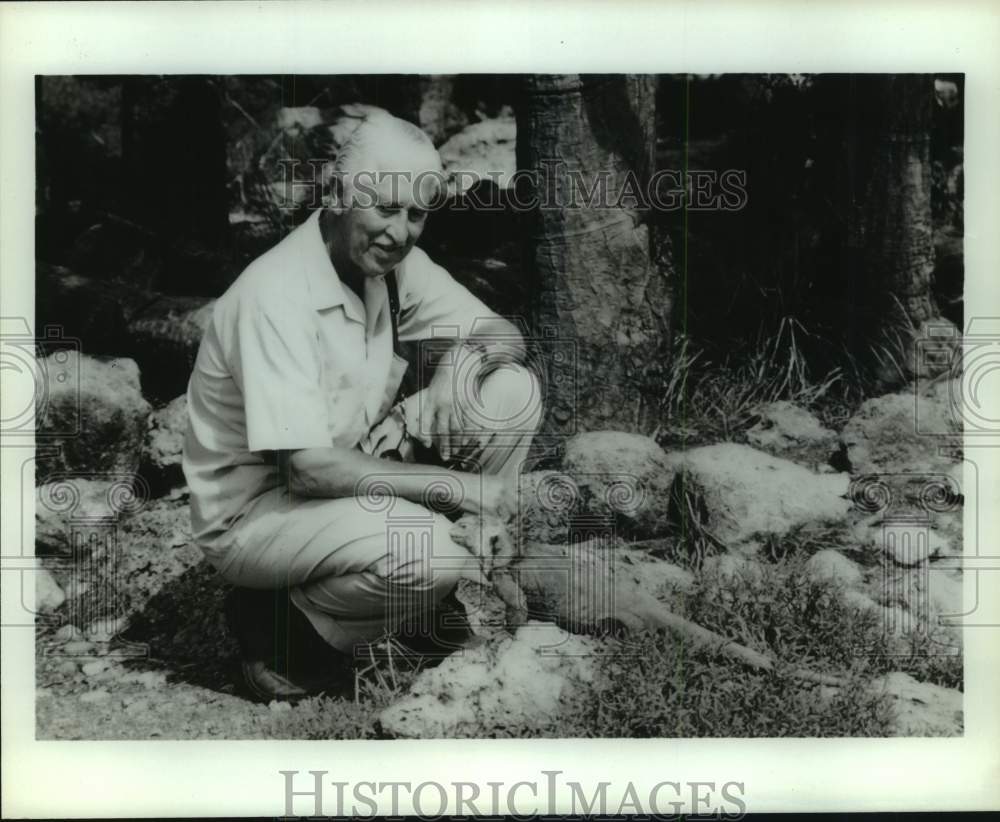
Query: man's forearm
{"points": [[338, 472]]}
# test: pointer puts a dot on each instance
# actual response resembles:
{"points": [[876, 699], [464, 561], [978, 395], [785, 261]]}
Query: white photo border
{"points": [[211, 778]]}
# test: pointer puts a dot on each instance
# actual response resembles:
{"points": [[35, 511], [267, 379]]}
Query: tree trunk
{"points": [[896, 230], [893, 232], [601, 316]]}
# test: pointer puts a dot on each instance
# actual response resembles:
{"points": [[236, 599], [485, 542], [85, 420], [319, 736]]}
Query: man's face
{"points": [[389, 208]]}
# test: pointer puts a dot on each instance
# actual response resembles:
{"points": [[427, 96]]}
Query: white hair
{"points": [[378, 123]]}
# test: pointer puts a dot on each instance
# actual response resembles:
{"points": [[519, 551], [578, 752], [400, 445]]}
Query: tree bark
{"points": [[895, 227], [892, 231], [601, 316]]}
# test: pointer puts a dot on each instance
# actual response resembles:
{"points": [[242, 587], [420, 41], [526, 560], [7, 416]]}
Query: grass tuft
{"points": [[721, 401]]}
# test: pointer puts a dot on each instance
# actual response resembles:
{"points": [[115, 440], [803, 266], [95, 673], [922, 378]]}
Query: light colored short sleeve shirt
{"points": [[295, 359]]}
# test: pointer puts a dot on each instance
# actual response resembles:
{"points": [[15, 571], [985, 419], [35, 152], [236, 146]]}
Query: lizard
{"points": [[580, 588]]}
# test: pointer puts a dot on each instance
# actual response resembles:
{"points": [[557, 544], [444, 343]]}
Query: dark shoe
{"points": [[283, 658], [267, 685]]}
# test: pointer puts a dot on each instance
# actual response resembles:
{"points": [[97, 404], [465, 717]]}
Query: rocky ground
{"points": [[760, 539]]}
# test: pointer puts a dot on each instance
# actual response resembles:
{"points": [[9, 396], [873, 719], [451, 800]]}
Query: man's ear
{"points": [[334, 197]]}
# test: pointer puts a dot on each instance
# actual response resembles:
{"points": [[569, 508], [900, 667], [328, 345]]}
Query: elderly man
{"points": [[300, 455]]}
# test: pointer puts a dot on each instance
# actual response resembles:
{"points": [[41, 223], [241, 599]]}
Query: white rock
{"points": [[94, 414], [912, 546], [525, 681], [48, 595], [921, 708], [98, 666], [69, 510], [832, 566], [622, 475], [481, 149], [66, 667], [946, 592], [164, 444], [298, 118], [787, 430], [95, 696], [908, 438], [104, 630], [67, 633], [78, 647], [859, 601], [746, 492]]}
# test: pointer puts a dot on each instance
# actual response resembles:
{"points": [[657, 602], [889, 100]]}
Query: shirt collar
{"points": [[325, 286]]}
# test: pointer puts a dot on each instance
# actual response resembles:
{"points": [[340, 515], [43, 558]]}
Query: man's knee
{"points": [[420, 555], [510, 399]]}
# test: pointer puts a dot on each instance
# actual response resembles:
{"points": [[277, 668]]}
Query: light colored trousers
{"points": [[359, 566]]}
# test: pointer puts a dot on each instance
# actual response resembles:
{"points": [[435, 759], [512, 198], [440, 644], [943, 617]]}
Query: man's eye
{"points": [[417, 215], [388, 211]]}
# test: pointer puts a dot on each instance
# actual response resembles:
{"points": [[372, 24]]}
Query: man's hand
{"points": [[453, 388], [449, 390]]}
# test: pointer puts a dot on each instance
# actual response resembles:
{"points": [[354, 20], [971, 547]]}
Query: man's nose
{"points": [[396, 229]]}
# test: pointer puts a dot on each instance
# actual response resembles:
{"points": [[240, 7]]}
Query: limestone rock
{"points": [[48, 595], [523, 682], [946, 593], [931, 599], [92, 669], [482, 151], [787, 430], [298, 118], [104, 630], [625, 476], [921, 708], [913, 441], [161, 453], [74, 508], [743, 492], [91, 416], [79, 647], [920, 546], [67, 633], [832, 566]]}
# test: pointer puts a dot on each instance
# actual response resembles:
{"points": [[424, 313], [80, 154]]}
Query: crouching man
{"points": [[302, 458]]}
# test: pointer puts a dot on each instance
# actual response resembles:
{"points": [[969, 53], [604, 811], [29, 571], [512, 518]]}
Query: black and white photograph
{"points": [[524, 405], [738, 292]]}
